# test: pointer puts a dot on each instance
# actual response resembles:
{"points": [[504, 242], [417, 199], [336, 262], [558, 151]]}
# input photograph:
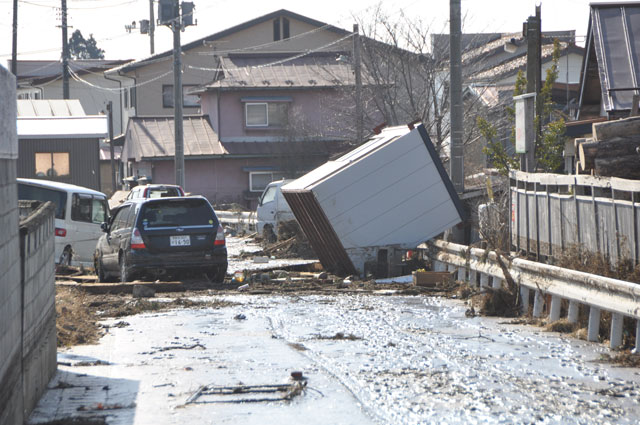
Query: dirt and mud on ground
{"points": [[274, 345]]}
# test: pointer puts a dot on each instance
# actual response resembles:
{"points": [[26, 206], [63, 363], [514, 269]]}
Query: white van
{"points": [[79, 213], [272, 209]]}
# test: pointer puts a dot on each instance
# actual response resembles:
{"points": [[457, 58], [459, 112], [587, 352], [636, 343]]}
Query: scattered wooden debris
{"points": [[239, 393]]}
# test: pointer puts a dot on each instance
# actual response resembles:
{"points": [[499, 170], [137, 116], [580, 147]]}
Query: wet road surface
{"points": [[368, 359]]}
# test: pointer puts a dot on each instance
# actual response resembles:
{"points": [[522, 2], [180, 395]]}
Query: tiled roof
{"points": [[153, 137], [276, 71], [513, 65]]}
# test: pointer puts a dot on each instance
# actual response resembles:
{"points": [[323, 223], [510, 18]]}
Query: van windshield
{"points": [[174, 213], [36, 193], [269, 195]]}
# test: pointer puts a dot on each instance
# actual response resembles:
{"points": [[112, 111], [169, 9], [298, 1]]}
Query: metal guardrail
{"points": [[599, 293]]}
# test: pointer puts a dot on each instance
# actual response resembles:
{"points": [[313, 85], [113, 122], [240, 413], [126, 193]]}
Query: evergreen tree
{"points": [[81, 48]]}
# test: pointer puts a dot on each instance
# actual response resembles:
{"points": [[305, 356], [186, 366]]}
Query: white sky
{"points": [[40, 38]]}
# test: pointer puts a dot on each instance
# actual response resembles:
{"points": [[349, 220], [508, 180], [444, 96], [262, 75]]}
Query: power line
{"points": [[278, 62]]}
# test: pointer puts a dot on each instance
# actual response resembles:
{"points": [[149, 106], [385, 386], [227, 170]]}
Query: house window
{"points": [[188, 100], [285, 28], [276, 29], [52, 164], [132, 97], [267, 114], [258, 180]]}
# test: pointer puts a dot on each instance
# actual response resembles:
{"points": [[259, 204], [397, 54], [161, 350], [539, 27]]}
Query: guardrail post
{"points": [[484, 280], [572, 315], [636, 350], [473, 278], [524, 296], [538, 304], [594, 324], [497, 283], [615, 339], [554, 314], [462, 274], [438, 266]]}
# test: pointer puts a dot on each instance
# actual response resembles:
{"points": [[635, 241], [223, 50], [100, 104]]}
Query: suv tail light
{"points": [[219, 236], [60, 232], [136, 240]]}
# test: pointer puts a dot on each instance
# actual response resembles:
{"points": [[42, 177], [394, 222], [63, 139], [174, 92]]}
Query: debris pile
{"points": [[291, 242], [614, 150]]}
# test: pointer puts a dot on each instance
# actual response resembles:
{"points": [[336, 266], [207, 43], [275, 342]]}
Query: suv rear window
{"points": [[183, 212], [163, 193]]}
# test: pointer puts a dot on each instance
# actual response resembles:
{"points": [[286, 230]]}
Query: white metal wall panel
{"points": [[391, 191], [391, 196]]}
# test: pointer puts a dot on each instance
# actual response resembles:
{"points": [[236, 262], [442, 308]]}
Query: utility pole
{"points": [[358, 76], [456, 161], [14, 41], [533, 32], [152, 26], [176, 27], [111, 149], [65, 53]]}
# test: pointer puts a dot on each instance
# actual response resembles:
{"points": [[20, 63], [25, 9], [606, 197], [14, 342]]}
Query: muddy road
{"points": [[366, 359], [370, 357]]}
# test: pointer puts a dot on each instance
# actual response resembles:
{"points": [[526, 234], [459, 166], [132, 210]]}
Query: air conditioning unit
{"points": [[166, 12]]}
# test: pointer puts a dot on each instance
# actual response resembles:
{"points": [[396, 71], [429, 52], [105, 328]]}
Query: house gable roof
{"points": [[153, 138], [612, 60], [225, 33]]}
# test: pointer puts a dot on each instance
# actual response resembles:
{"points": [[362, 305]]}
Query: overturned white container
{"points": [[390, 193]]}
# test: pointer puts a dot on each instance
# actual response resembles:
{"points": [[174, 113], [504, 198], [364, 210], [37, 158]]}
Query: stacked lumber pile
{"points": [[614, 150]]}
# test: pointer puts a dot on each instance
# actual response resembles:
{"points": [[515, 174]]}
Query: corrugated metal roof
{"points": [[153, 137], [50, 108], [615, 30], [275, 71]]}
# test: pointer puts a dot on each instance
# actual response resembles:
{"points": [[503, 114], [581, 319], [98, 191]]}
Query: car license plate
{"points": [[182, 240]]}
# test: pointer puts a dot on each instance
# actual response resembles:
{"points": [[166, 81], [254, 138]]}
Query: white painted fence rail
{"points": [[240, 220], [597, 292]]}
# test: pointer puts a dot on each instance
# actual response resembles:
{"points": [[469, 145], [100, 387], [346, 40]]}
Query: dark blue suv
{"points": [[162, 237]]}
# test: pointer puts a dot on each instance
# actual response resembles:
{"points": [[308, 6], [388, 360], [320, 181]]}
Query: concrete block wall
{"points": [[11, 406], [38, 303], [27, 291]]}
